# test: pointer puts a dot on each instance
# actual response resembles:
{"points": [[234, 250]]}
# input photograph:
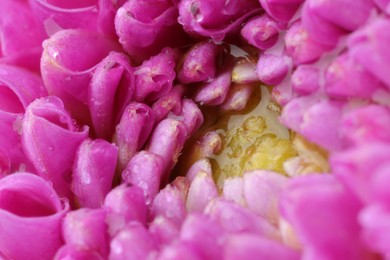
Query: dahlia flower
{"points": [[195, 129]]}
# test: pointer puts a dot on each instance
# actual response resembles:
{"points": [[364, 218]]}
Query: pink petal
{"points": [[202, 190], [306, 79], [46, 128], [93, 171], [170, 102], [87, 229], [281, 10], [30, 217], [68, 60], [145, 171], [250, 246], [132, 131], [192, 116], [68, 252], [132, 242], [272, 69], [110, 90]]}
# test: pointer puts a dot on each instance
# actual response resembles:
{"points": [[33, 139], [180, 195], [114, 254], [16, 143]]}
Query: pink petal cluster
{"points": [[99, 99]]}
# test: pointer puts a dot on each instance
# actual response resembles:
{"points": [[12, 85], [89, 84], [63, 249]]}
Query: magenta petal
{"points": [[238, 97], [357, 168], [167, 141], [110, 90], [18, 88], [301, 46], [21, 43], [170, 102], [250, 246], [202, 190], [198, 226], [145, 171], [322, 30], [164, 230], [66, 14], [215, 18], [106, 18], [87, 229], [132, 131], [234, 218], [30, 217], [192, 116], [214, 93], [154, 78], [13, 154], [93, 171], [366, 124], [261, 191], [68, 60], [346, 78], [126, 203], [199, 63], [46, 128], [170, 201], [145, 27], [261, 32], [334, 232], [306, 79], [68, 252], [132, 242], [376, 229], [281, 10], [272, 69], [179, 250], [368, 47]]}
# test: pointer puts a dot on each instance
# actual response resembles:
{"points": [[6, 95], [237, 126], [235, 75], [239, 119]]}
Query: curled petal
{"points": [[30, 217], [125, 203], [366, 124], [321, 30], [68, 60], [171, 102], [261, 32], [154, 78], [87, 229], [132, 242], [306, 79], [132, 131], [202, 190], [203, 165], [167, 141], [281, 10], [46, 127], [272, 69], [110, 90], [238, 97], [145, 170], [261, 191], [76, 253], [164, 230], [106, 18], [170, 202], [317, 120], [93, 171], [215, 19], [335, 208], [65, 14], [18, 88], [250, 246], [301, 46], [145, 27], [367, 46], [201, 226], [192, 116], [199, 63], [21, 45], [234, 218], [215, 92], [345, 78]]}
